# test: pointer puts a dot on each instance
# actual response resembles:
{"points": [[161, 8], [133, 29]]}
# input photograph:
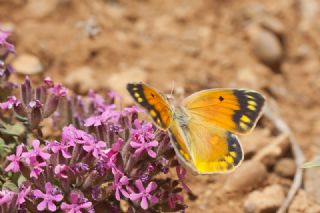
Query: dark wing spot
{"points": [[221, 98], [152, 95]]}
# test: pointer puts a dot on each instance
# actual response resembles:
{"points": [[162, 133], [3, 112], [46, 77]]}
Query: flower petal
{"points": [[139, 185], [42, 206], [151, 186], [51, 206], [144, 203], [135, 196]]}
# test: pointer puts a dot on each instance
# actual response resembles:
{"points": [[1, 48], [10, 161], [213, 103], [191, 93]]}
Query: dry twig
{"points": [[297, 153]]}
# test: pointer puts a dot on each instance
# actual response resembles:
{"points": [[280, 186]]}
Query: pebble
{"points": [[268, 200], [118, 81], [255, 141], [285, 167], [266, 46], [27, 64], [312, 184], [272, 24], [309, 10], [40, 8], [301, 204], [248, 175], [81, 79]]}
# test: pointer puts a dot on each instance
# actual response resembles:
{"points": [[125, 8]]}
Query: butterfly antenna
{"points": [[172, 89]]}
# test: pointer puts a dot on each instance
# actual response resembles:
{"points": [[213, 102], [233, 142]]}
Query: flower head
{"points": [[77, 203], [119, 183], [58, 90], [50, 196], [10, 103], [14, 166], [144, 194], [4, 43], [34, 154], [143, 139]]}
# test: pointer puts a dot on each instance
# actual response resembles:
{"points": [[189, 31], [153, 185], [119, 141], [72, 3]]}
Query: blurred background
{"points": [[271, 46]]}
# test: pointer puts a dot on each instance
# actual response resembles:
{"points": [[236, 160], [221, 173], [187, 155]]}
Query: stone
{"points": [[312, 184], [118, 81], [81, 79], [41, 8], [267, 47], [248, 175], [285, 167], [301, 204], [268, 200], [254, 142], [272, 24], [309, 10], [27, 64]]}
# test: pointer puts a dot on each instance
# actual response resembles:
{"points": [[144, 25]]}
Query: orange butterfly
{"points": [[202, 127]]}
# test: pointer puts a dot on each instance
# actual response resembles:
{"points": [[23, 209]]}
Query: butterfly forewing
{"points": [[156, 105], [230, 109]]}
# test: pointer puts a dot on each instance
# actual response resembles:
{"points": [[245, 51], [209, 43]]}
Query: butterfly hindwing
{"points": [[153, 102], [212, 149], [230, 109]]}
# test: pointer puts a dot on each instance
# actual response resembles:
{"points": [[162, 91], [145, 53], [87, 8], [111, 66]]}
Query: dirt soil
{"points": [[270, 46]]}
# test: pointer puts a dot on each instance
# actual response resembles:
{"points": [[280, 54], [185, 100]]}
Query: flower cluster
{"points": [[94, 156]]}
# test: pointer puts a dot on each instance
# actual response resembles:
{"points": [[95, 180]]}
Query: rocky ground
{"points": [[270, 46]]}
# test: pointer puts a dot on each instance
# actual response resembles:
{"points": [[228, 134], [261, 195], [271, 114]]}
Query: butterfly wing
{"points": [[231, 109], [204, 147], [156, 105]]}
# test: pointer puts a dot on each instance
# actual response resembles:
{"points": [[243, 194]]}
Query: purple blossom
{"points": [[31, 156], [58, 90], [142, 139], [48, 82], [144, 194], [98, 102], [95, 148], [119, 183], [108, 115], [37, 169], [143, 145], [56, 147], [173, 200], [114, 95], [72, 136], [61, 171], [78, 202], [6, 196], [24, 192], [14, 166], [4, 43], [10, 103], [181, 173], [133, 109], [49, 197]]}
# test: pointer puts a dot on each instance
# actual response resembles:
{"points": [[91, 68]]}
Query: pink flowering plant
{"points": [[61, 152]]}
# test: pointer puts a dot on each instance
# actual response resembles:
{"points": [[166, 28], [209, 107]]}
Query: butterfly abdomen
{"points": [[250, 104]]}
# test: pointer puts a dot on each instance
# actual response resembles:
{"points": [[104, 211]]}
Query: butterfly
{"points": [[202, 128]]}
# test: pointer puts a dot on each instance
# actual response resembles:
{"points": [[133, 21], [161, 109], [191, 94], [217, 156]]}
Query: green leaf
{"points": [[13, 130], [21, 180], [10, 186], [311, 164], [3, 148]]}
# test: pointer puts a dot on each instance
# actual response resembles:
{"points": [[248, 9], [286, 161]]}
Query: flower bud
{"points": [[51, 106], [35, 116], [26, 91], [20, 109]]}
